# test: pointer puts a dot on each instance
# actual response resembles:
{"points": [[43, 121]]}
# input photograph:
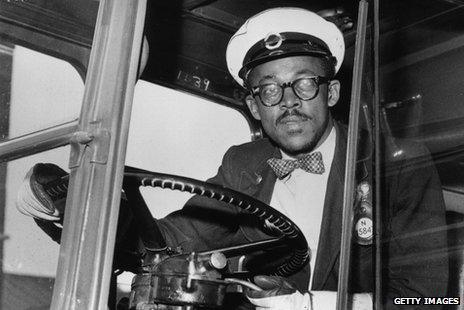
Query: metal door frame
{"points": [[98, 147]]}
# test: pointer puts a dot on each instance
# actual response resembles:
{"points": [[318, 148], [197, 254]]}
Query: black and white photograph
{"points": [[231, 154]]}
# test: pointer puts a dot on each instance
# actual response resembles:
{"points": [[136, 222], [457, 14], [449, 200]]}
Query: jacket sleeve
{"points": [[414, 250], [204, 223]]}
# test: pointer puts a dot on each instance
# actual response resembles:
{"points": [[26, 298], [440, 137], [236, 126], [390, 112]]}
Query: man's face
{"points": [[296, 125]]}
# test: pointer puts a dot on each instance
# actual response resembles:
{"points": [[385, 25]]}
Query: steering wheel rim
{"points": [[282, 223]]}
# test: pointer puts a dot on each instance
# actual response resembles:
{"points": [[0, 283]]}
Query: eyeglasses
{"points": [[305, 88]]}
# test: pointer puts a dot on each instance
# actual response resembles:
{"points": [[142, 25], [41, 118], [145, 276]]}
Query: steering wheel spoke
{"points": [[246, 248]]}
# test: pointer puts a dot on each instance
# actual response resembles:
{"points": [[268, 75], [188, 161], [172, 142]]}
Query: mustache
{"points": [[289, 113]]}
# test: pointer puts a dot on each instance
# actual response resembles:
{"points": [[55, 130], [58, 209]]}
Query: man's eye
{"points": [[306, 84], [270, 90]]}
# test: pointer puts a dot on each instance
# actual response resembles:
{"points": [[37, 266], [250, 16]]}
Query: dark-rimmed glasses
{"points": [[305, 88]]}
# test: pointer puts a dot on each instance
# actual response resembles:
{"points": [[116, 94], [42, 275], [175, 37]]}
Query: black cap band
{"points": [[281, 45]]}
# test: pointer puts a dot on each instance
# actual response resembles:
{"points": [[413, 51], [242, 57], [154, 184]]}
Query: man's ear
{"points": [[253, 106], [334, 92]]}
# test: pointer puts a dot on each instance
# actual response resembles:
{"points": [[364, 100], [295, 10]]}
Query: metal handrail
{"points": [[84, 270], [350, 171], [377, 161], [38, 141]]}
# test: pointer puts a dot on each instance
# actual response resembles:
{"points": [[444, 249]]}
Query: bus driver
{"points": [[287, 59]]}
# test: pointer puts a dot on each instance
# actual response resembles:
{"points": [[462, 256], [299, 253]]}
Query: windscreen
{"points": [[419, 145]]}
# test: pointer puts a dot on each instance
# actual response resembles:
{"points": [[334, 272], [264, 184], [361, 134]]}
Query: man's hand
{"points": [[277, 294], [34, 201], [327, 300]]}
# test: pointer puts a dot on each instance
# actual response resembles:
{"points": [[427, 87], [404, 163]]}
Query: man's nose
{"points": [[289, 99]]}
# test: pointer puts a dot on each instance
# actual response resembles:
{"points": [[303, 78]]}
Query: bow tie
{"points": [[310, 163]]}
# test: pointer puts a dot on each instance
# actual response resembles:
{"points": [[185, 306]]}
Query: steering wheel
{"points": [[288, 232], [190, 279]]}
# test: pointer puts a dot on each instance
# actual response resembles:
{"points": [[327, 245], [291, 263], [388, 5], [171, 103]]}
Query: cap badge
{"points": [[273, 41]]}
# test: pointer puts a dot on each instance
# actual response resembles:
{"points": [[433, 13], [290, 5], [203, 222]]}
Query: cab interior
{"points": [[197, 106]]}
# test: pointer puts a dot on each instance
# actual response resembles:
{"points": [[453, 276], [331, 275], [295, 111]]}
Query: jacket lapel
{"points": [[257, 180], [329, 238]]}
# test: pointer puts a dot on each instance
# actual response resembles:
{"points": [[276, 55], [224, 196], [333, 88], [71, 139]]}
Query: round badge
{"points": [[273, 41], [364, 230]]}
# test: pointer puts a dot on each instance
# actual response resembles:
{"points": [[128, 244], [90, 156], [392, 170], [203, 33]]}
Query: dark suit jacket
{"points": [[413, 207]]}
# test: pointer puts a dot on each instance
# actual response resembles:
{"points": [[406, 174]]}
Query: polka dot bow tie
{"points": [[310, 163]]}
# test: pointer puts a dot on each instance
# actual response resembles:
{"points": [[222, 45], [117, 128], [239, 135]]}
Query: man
{"points": [[287, 59]]}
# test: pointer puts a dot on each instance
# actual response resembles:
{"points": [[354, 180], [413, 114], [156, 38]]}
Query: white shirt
{"points": [[301, 195]]}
